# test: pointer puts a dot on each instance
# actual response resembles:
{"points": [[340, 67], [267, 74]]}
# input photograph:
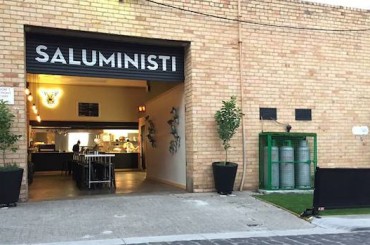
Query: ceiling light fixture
{"points": [[142, 108]]}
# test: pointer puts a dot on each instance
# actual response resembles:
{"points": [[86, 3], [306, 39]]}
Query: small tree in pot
{"points": [[10, 173], [228, 120]]}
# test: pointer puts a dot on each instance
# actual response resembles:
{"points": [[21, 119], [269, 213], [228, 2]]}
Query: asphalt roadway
{"points": [[352, 238], [190, 218]]}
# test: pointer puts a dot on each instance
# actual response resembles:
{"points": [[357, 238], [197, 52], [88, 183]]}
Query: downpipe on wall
{"points": [[240, 43]]}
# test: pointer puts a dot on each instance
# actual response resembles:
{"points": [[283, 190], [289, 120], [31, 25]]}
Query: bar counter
{"points": [[56, 161], [126, 160], [50, 161]]}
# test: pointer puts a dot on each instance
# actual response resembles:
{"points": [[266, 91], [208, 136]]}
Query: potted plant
{"points": [[10, 173], [228, 121]]}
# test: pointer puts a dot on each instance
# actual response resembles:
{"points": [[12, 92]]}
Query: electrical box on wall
{"points": [[360, 130]]}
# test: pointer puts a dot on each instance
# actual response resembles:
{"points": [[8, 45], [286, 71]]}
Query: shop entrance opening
{"points": [[135, 113]]}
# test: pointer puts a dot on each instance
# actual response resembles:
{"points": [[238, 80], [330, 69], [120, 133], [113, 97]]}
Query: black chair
{"points": [[100, 172], [81, 175], [113, 177]]}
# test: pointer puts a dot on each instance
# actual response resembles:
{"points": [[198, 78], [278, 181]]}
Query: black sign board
{"points": [[303, 115], [77, 56], [341, 188], [88, 109], [268, 114]]}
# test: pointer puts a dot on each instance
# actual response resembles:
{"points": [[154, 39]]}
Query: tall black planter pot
{"points": [[10, 186], [224, 176]]}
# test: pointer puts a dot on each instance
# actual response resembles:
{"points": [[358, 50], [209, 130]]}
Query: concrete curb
{"points": [[204, 236], [345, 222]]}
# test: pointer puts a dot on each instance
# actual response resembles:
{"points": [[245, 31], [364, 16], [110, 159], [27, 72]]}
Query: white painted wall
{"points": [[161, 164]]}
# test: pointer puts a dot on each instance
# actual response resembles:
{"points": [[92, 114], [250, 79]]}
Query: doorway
{"points": [[94, 89], [144, 168]]}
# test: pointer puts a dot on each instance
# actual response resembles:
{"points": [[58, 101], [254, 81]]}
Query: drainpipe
{"points": [[240, 43]]}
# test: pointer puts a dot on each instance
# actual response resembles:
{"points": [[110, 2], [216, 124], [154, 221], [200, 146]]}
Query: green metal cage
{"points": [[268, 141]]}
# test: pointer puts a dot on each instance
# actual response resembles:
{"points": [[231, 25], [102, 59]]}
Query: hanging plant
{"points": [[151, 131], [173, 123]]}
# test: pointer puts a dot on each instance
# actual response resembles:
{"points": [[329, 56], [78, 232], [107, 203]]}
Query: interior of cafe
{"points": [[109, 119]]}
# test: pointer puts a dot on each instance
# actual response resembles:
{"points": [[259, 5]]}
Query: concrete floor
{"points": [[55, 186], [128, 219]]}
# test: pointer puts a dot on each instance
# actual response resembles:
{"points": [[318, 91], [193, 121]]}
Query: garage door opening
{"points": [[119, 108]]}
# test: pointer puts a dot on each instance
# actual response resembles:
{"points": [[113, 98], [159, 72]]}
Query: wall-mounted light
{"points": [[29, 97], [34, 109], [38, 118], [141, 108], [50, 97], [27, 90]]}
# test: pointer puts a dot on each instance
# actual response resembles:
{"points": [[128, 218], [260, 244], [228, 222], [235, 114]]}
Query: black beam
{"points": [[84, 125]]}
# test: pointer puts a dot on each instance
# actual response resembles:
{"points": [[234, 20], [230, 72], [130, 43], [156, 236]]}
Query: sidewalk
{"points": [[344, 222], [148, 218]]}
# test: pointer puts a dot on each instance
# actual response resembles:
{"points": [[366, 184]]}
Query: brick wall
{"points": [[286, 68]]}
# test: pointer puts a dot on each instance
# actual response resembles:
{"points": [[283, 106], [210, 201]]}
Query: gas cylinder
{"points": [[302, 167], [271, 176], [287, 165]]}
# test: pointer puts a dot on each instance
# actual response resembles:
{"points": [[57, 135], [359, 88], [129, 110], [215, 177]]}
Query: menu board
{"points": [[88, 109]]}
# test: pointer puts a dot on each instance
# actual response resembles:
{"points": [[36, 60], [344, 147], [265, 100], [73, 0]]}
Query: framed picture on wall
{"points": [[88, 109]]}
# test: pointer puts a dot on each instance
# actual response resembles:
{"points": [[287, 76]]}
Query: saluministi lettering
{"points": [[93, 57]]}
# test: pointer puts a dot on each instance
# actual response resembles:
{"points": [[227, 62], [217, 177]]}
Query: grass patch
{"points": [[293, 202], [298, 202], [346, 211]]}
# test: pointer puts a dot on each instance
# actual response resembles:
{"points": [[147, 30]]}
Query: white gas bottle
{"points": [[287, 165], [303, 166]]}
